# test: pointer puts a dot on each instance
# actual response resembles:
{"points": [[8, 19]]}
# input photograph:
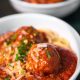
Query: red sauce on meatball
{"points": [[50, 62]]}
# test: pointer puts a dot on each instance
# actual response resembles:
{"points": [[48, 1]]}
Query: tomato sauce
{"points": [[17, 60], [43, 1], [55, 68]]}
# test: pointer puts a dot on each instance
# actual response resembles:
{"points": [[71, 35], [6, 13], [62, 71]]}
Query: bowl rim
{"points": [[14, 16], [60, 4]]}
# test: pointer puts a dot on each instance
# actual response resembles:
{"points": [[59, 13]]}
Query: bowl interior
{"points": [[11, 23]]}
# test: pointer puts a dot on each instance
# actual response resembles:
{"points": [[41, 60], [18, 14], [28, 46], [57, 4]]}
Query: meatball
{"points": [[27, 35], [43, 59], [31, 34]]}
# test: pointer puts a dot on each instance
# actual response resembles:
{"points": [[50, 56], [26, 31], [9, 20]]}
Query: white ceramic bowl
{"points": [[13, 22], [58, 9]]}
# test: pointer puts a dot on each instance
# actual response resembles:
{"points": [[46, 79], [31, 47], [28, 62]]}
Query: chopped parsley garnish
{"points": [[48, 54], [7, 78], [8, 41], [17, 57], [10, 65], [12, 38], [22, 51]]}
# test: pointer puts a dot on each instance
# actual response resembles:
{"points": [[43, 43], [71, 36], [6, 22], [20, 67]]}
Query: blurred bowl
{"points": [[60, 9], [13, 22]]}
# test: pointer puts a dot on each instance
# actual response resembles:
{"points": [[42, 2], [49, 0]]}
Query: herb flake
{"points": [[48, 54], [7, 78]]}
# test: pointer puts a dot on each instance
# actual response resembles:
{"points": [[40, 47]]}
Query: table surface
{"points": [[73, 19]]}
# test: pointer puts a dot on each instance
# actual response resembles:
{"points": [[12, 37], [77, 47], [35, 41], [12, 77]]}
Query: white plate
{"points": [[13, 22]]}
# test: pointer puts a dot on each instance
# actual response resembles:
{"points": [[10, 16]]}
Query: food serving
{"points": [[31, 54], [43, 1]]}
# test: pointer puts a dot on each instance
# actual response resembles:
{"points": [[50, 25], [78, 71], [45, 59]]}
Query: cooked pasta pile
{"points": [[56, 39], [15, 46]]}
